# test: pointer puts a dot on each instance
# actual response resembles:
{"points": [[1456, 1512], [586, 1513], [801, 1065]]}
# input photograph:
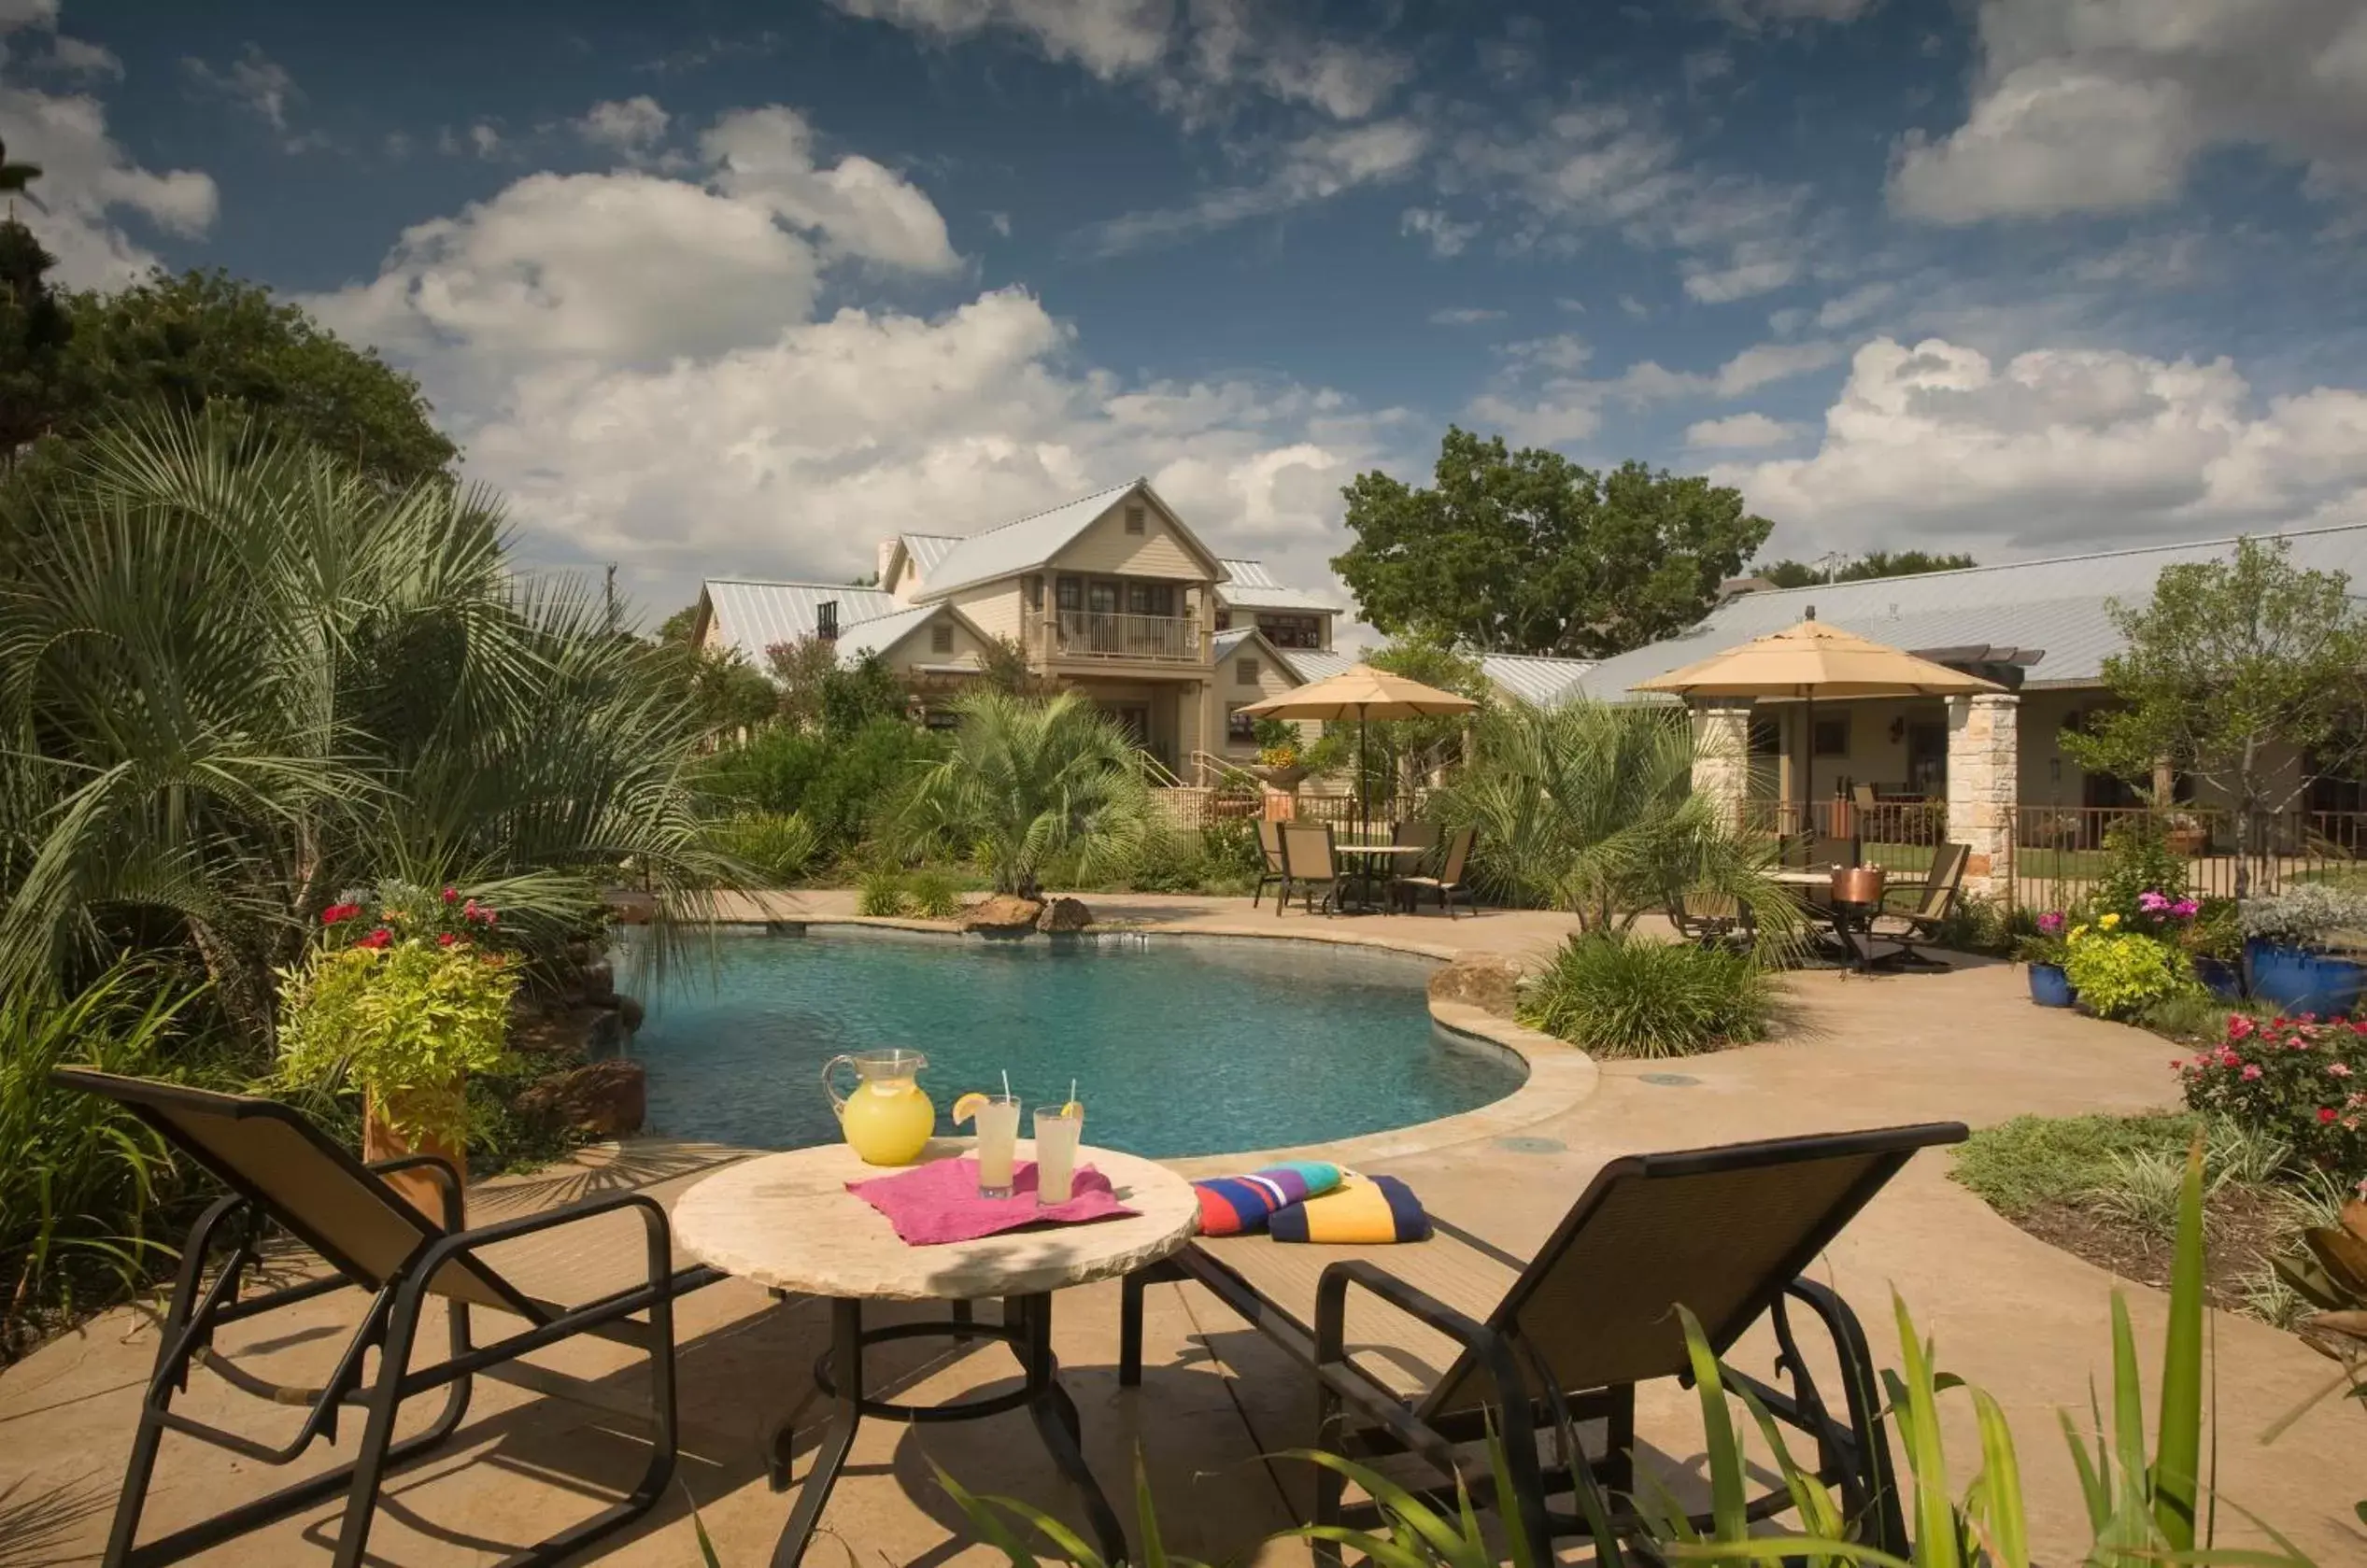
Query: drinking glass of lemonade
{"points": [[1058, 1131], [998, 1144]]}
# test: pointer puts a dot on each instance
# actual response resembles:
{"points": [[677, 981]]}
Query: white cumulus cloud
{"points": [[1937, 444], [625, 125], [1739, 430]]}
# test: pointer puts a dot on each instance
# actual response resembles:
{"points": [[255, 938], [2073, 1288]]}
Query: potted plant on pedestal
{"points": [[2044, 953], [2287, 940], [404, 997]]}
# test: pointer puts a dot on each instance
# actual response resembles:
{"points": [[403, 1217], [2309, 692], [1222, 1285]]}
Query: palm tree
{"points": [[16, 179], [237, 676], [1588, 807], [1030, 781]]}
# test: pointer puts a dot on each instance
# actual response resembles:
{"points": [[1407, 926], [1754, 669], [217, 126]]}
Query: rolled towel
{"points": [[1371, 1209], [1239, 1205]]}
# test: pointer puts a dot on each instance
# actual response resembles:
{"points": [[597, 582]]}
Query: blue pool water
{"points": [[1179, 1046]]}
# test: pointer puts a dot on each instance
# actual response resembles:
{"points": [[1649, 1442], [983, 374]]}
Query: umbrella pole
{"points": [[1808, 762], [1363, 777]]}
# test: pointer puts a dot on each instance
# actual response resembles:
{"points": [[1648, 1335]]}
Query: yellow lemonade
{"points": [[887, 1121]]}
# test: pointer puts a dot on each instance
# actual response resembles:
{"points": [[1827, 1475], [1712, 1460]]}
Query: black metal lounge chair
{"points": [[283, 1172], [1452, 1335], [1700, 921], [1270, 848], [1933, 902]]}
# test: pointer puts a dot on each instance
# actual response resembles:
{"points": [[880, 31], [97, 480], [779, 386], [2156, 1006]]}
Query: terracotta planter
{"points": [[1288, 779], [421, 1190], [2189, 842]]}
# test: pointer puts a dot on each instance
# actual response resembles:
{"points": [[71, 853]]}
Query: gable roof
{"points": [[1032, 541], [927, 550], [1248, 585], [752, 617], [1538, 678], [880, 633], [2056, 608]]}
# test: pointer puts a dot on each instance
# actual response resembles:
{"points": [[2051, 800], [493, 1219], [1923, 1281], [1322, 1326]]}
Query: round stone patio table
{"points": [[787, 1222]]}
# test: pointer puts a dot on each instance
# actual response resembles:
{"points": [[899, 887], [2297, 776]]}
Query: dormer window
{"points": [[1134, 519], [825, 620]]}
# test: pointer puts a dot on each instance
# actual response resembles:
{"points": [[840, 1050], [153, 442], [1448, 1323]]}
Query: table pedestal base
{"points": [[838, 1375]]}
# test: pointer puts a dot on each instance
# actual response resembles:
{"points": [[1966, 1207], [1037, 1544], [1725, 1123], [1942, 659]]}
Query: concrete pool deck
{"points": [[2021, 1318]]}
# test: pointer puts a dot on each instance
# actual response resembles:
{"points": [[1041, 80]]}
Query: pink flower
{"points": [[378, 937], [2340, 1069], [2251, 1071], [2325, 1113], [452, 895], [2186, 909], [336, 912], [2152, 903], [447, 938], [2230, 1059], [2239, 1027], [2050, 923]]}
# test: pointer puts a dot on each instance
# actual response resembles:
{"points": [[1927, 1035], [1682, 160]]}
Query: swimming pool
{"points": [[1178, 1045]]}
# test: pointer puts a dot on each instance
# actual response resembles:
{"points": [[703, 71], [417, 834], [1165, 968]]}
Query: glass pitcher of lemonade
{"points": [[887, 1120]]}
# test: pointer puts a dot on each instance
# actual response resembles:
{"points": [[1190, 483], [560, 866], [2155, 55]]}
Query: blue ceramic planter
{"points": [[2298, 980], [2049, 988], [2221, 978]]}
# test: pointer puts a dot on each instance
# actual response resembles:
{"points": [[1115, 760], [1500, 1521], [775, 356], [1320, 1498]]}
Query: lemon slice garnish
{"points": [[1074, 1108], [970, 1105]]}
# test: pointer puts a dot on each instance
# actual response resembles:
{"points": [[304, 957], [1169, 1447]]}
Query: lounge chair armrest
{"points": [[1331, 1308], [447, 1178], [657, 1231]]}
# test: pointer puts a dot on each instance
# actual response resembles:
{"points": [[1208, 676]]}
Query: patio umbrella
{"points": [[1811, 660], [1362, 693]]}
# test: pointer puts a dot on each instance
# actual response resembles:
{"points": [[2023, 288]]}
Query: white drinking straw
{"points": [[1073, 1091], [1006, 1084]]}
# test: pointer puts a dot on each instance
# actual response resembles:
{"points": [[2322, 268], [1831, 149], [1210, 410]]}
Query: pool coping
{"points": [[1560, 1075]]}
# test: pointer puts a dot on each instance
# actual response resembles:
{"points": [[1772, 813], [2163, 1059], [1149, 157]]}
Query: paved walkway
{"points": [[2010, 1313]]}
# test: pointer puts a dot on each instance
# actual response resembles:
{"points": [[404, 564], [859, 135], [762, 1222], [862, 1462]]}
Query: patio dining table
{"points": [[1373, 860], [787, 1222]]}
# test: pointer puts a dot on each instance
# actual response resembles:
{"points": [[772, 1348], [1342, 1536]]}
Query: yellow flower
{"points": [[2108, 922], [2077, 932]]}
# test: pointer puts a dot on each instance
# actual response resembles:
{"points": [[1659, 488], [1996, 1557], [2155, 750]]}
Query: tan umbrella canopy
{"points": [[1811, 660], [1362, 693]]}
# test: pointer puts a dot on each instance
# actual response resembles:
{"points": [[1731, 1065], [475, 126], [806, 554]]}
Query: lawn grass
{"points": [[2035, 1160]]}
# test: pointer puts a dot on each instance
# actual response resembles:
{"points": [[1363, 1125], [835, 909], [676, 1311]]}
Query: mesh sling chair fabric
{"points": [[1448, 885], [1270, 872], [284, 1173], [1307, 864], [1448, 1343]]}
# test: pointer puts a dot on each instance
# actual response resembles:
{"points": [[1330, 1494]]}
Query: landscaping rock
{"points": [[602, 1099], [599, 983], [1001, 915], [1486, 980], [630, 1012], [629, 908], [1064, 914]]}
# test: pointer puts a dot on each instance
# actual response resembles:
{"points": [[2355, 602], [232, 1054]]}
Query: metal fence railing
{"points": [[2062, 852], [1896, 835]]}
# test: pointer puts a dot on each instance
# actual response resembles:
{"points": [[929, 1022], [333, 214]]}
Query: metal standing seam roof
{"points": [[753, 617], [1024, 545], [1249, 586], [880, 633], [928, 550], [2057, 608], [1538, 678]]}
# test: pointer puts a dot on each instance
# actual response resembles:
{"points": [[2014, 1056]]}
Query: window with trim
{"points": [[1134, 519], [1150, 599], [940, 639], [1069, 593], [1245, 672], [1833, 736], [1224, 620], [1240, 728], [1293, 632]]}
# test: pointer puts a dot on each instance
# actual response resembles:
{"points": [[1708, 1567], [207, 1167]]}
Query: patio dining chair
{"points": [[1934, 901], [1410, 834], [1424, 1350], [1447, 885], [1270, 850], [1308, 865], [285, 1175]]}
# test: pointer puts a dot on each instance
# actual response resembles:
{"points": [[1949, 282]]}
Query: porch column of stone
{"points": [[1984, 779], [1722, 753]]}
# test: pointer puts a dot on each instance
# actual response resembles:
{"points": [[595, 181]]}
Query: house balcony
{"points": [[1097, 634]]}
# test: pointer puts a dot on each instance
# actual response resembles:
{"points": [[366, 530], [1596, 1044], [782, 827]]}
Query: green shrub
{"points": [[1617, 994], [881, 895], [84, 1185], [2138, 860], [777, 848], [838, 784], [1167, 862], [2033, 1160], [2120, 974], [931, 895], [1979, 923]]}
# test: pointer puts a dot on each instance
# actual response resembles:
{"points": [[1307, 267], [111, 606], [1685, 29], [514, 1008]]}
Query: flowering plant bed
{"points": [[2300, 1080]]}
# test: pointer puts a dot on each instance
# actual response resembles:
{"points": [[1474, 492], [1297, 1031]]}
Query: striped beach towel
{"points": [[1371, 1209], [1240, 1205]]}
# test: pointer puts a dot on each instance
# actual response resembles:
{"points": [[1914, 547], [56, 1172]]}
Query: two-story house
{"points": [[1112, 594]]}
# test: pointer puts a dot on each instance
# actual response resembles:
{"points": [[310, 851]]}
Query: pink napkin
{"points": [[939, 1202]]}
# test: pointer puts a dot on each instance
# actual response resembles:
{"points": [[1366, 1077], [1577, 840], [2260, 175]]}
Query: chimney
{"points": [[879, 565], [825, 620]]}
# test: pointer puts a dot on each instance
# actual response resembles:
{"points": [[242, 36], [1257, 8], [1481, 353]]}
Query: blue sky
{"points": [[735, 287]]}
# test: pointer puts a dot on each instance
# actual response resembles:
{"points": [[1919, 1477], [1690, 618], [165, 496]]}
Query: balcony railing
{"points": [[1100, 634]]}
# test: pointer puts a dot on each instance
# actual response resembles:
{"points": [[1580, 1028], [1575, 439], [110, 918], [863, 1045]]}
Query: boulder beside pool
{"points": [[1064, 914], [599, 1099], [1488, 980], [1002, 916]]}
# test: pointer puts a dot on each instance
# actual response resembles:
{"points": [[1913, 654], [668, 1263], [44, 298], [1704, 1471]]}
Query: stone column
{"points": [[1984, 778], [1722, 753]]}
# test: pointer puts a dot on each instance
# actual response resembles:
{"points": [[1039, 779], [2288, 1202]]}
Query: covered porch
{"points": [[1163, 718]]}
